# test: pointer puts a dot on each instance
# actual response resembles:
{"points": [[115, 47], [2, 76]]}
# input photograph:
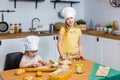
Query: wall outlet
{"points": [[40, 26]]}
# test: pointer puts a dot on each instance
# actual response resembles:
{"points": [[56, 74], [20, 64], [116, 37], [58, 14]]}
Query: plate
{"points": [[116, 32]]}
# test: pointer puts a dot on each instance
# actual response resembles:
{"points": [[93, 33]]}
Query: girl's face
{"points": [[70, 21], [32, 54]]}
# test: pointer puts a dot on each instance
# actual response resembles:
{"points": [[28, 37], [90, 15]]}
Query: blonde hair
{"points": [[67, 28]]}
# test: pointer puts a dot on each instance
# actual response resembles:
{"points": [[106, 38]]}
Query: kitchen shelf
{"points": [[71, 2], [36, 1]]}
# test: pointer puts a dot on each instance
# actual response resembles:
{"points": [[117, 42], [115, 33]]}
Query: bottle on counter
{"points": [[20, 28], [115, 25], [15, 28], [91, 25], [11, 29]]}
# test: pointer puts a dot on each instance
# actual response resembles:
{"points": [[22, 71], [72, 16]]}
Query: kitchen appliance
{"points": [[4, 25]]}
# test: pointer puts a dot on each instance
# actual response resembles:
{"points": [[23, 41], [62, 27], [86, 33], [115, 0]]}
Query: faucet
{"points": [[32, 29]]}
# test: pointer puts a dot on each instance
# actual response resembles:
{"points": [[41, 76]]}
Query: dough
{"points": [[65, 66], [29, 77], [51, 61], [67, 62], [20, 72], [38, 73]]}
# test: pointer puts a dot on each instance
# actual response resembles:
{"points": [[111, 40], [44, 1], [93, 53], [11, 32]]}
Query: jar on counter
{"points": [[20, 28], [115, 25], [11, 29], [79, 68], [15, 28]]}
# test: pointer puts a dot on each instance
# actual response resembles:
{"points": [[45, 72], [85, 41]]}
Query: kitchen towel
{"points": [[113, 74]]}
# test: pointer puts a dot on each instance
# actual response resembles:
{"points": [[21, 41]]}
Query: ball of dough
{"points": [[38, 73], [29, 77], [20, 72]]}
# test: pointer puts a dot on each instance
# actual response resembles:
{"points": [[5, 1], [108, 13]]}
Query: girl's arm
{"points": [[59, 46], [80, 48], [23, 63], [26, 64]]}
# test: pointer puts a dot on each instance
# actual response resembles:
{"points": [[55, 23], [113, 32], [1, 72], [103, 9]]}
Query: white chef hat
{"points": [[31, 43], [68, 12]]}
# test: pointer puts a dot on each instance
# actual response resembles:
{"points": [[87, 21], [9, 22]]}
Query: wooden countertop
{"points": [[93, 33], [22, 35], [102, 34], [10, 74]]}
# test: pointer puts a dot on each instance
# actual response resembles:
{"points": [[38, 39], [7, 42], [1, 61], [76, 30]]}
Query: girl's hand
{"points": [[64, 58], [43, 62], [82, 58], [35, 64]]}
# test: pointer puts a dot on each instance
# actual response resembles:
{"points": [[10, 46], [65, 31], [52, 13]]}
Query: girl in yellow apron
{"points": [[69, 39]]}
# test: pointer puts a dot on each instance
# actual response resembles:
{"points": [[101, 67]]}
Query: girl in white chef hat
{"points": [[31, 57], [69, 39]]}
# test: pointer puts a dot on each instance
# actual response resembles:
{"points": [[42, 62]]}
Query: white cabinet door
{"points": [[55, 48], [48, 48], [9, 46], [111, 53], [1, 56], [91, 48]]}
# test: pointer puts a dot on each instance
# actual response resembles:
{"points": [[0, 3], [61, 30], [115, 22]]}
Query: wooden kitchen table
{"points": [[89, 71], [10, 74]]}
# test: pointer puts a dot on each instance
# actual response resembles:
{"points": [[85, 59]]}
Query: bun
{"points": [[38, 73], [28, 77], [20, 72]]}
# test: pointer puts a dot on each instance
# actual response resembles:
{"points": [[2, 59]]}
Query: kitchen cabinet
{"points": [[55, 47], [102, 50], [64, 1], [1, 57], [48, 48], [111, 53], [91, 48], [8, 46]]}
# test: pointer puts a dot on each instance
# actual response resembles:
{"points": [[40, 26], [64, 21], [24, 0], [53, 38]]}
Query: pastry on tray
{"points": [[60, 74]]}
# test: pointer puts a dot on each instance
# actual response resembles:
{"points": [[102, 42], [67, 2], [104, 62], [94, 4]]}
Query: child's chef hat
{"points": [[68, 12], [31, 43]]}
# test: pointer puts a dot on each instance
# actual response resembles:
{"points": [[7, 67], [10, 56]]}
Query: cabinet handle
{"points": [[0, 42], [97, 39], [56, 37]]}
